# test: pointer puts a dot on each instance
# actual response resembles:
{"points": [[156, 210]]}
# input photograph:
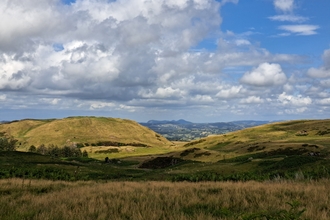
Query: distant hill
{"points": [[174, 122], [82, 130], [183, 130]]}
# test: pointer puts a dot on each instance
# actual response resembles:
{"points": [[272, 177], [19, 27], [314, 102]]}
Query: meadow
{"points": [[45, 199]]}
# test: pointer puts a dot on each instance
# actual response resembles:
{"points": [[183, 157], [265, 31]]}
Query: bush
{"points": [[80, 145]]}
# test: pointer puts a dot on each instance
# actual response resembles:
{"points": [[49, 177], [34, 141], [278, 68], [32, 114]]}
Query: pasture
{"points": [[44, 199]]}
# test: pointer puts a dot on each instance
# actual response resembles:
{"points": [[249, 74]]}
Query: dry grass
{"points": [[81, 130], [271, 136], [40, 199]]}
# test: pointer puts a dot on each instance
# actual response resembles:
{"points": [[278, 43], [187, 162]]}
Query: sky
{"points": [[198, 60]]}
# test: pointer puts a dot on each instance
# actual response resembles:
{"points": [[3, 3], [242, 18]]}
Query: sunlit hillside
{"points": [[81, 130], [305, 135]]}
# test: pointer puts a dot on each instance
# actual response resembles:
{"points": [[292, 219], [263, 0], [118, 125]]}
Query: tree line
{"points": [[55, 151]]}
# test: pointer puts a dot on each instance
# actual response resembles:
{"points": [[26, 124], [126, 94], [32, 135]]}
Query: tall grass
{"points": [[41, 199]]}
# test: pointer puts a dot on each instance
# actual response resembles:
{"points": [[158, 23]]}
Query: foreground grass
{"points": [[42, 199]]}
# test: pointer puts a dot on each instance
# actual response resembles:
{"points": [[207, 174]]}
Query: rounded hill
{"points": [[82, 131]]}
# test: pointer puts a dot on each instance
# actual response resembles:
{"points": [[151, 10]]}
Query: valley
{"points": [[280, 164]]}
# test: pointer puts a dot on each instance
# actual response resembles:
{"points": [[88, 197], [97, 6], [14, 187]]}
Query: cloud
{"points": [[252, 100], [323, 71], [101, 105], [228, 92], [13, 73], [284, 5], [3, 97], [294, 100], [300, 29], [291, 18], [141, 57], [223, 2], [325, 101], [241, 42], [265, 74], [23, 23]]}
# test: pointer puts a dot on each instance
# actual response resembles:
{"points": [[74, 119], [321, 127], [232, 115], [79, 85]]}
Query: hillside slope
{"points": [[85, 130], [310, 135]]}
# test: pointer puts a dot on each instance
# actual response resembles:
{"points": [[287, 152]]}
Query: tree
{"points": [[84, 153], [42, 149], [32, 148], [66, 151], [53, 150], [7, 144]]}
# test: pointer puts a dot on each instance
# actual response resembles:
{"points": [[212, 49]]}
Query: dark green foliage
{"points": [[194, 143], [256, 148], [108, 151], [295, 212], [55, 151], [36, 173], [321, 133], [7, 144], [42, 149], [289, 162], [84, 153], [32, 148], [118, 144], [161, 162], [188, 151], [80, 145]]}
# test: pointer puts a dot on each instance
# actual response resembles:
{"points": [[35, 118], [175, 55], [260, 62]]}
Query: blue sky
{"points": [[200, 60]]}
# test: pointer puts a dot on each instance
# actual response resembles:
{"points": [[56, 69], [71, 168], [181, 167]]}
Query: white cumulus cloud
{"points": [[294, 100], [266, 74], [252, 100]]}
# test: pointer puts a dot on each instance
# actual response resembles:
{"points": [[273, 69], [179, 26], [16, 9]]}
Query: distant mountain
{"points": [[250, 122], [178, 122], [183, 130]]}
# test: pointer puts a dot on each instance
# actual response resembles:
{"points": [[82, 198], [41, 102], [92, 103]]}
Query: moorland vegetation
{"points": [[273, 171], [280, 200]]}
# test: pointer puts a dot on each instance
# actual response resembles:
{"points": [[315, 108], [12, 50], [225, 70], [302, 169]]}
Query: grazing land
{"points": [[41, 199], [287, 150], [273, 171], [82, 131]]}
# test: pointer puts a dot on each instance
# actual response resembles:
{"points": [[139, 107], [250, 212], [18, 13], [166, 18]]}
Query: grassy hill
{"points": [[306, 135], [277, 157], [290, 150], [84, 130]]}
